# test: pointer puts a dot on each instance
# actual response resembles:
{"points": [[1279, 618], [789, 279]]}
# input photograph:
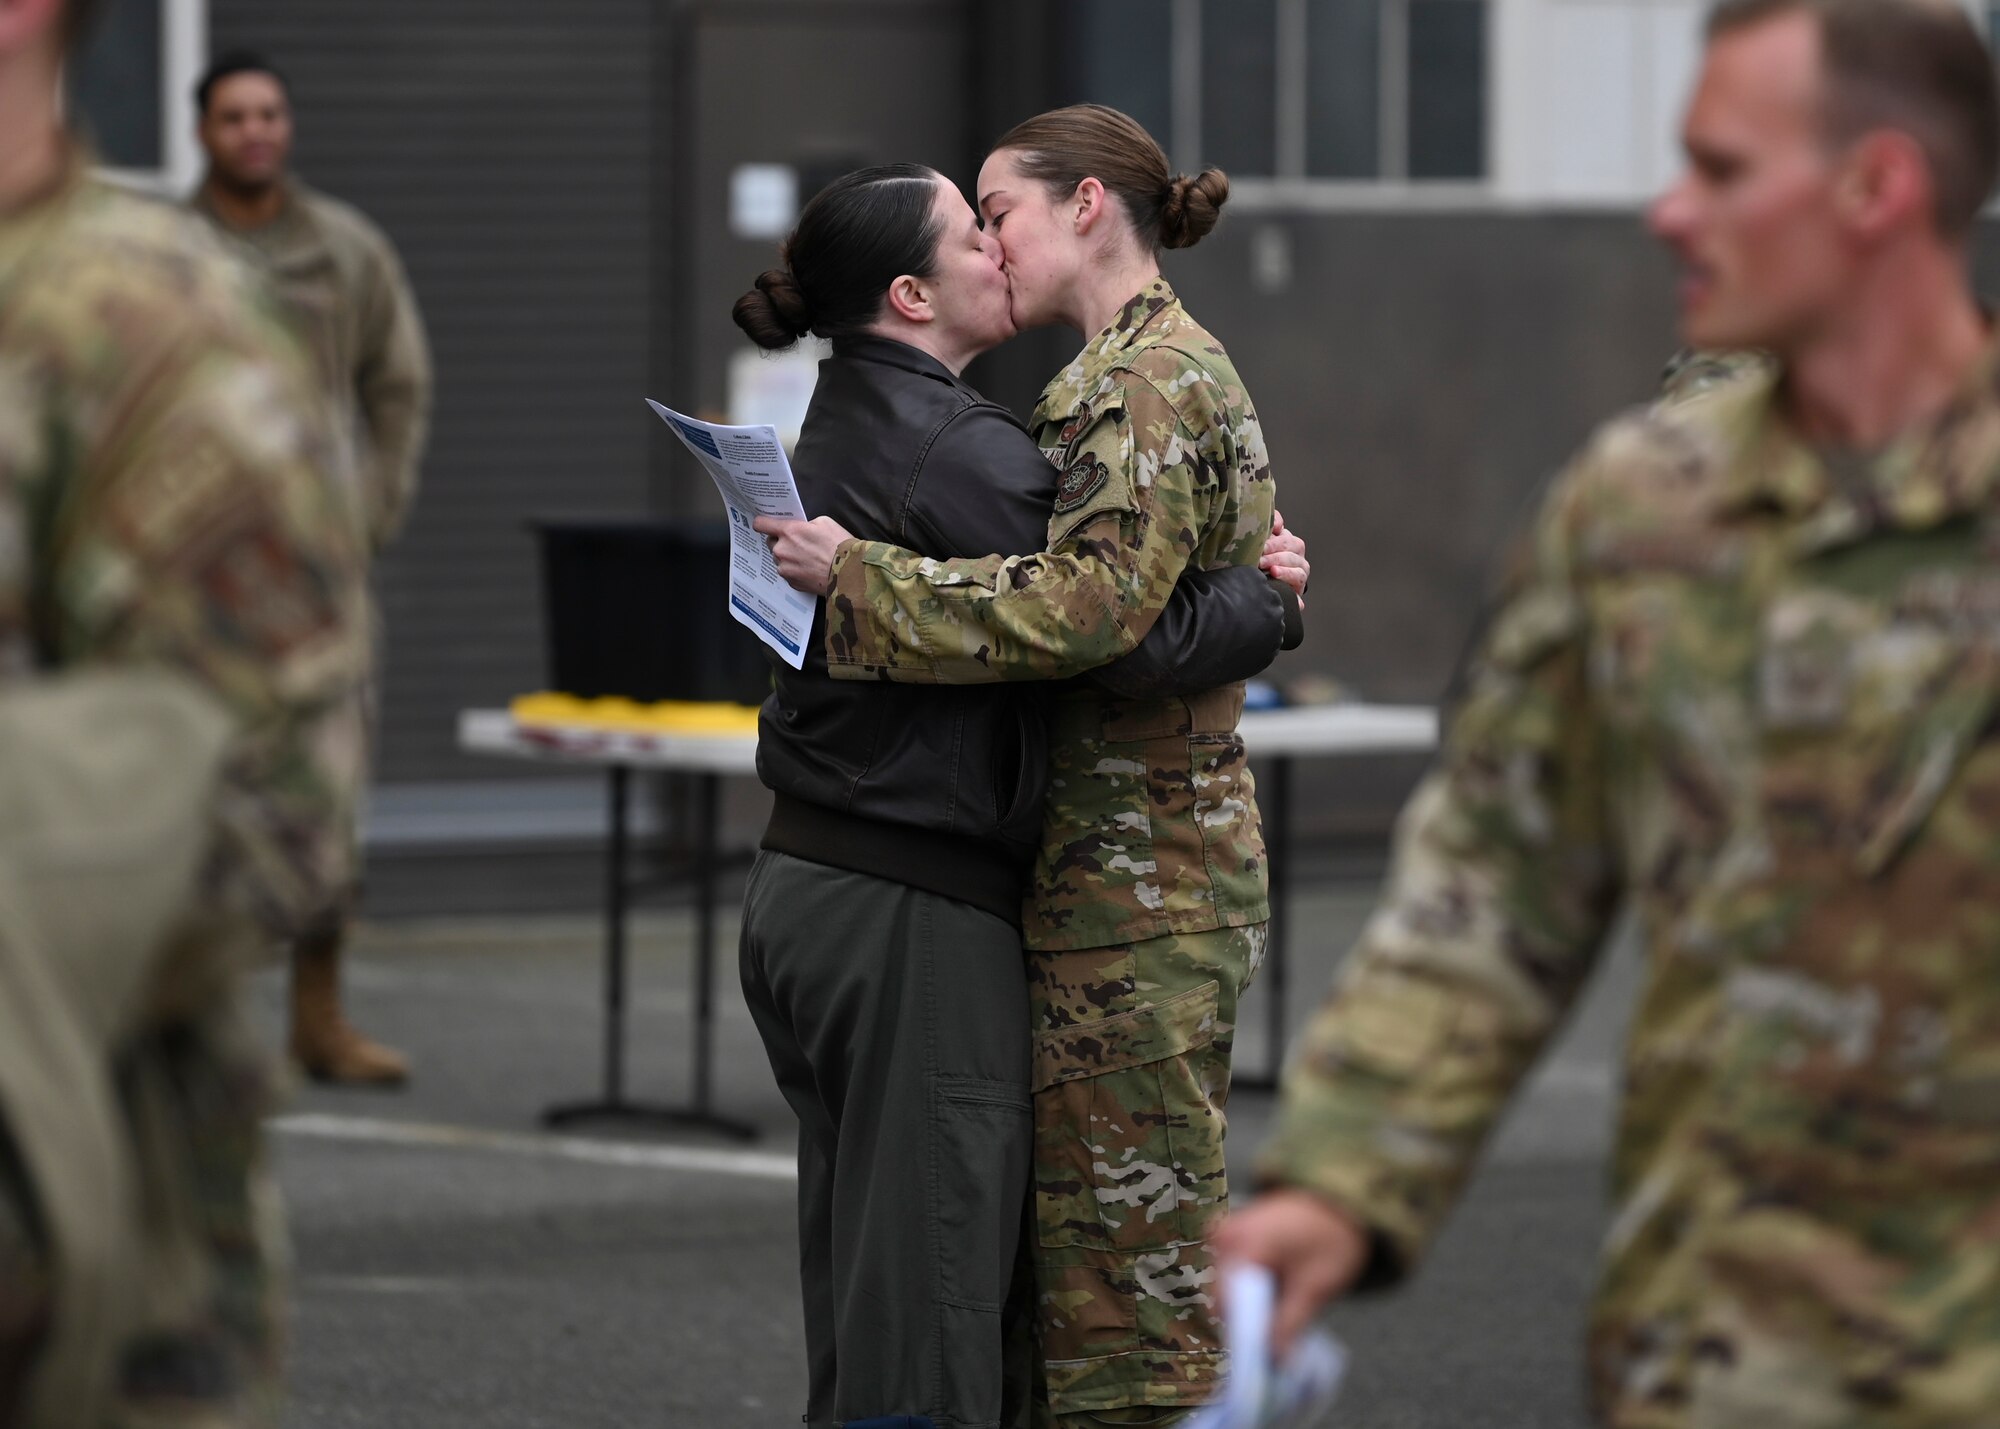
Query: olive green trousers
{"points": [[896, 1022]]}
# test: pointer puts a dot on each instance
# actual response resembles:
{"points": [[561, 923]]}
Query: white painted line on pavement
{"points": [[1576, 1077], [761, 1165], [386, 1284]]}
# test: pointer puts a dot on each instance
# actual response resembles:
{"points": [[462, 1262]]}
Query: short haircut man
{"points": [[235, 62], [1744, 681], [339, 277], [1917, 67]]}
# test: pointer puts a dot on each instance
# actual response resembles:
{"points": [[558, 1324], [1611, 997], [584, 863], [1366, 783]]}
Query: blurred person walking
{"points": [[1747, 677], [181, 627], [340, 281], [881, 952], [1148, 905]]}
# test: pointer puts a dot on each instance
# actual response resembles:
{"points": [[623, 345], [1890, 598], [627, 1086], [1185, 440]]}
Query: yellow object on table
{"points": [[613, 712]]}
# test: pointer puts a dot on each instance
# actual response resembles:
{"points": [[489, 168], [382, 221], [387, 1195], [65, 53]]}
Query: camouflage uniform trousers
{"points": [[1132, 1054], [24, 1278], [207, 1353], [359, 719]]}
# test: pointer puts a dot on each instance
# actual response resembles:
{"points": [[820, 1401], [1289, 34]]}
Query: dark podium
{"points": [[636, 607]]}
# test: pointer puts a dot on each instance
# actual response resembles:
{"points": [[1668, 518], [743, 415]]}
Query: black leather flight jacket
{"points": [[940, 787]]}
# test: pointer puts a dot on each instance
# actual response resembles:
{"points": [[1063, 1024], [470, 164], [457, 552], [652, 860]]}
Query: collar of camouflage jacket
{"points": [[1942, 468], [21, 226], [291, 227], [1077, 383]]}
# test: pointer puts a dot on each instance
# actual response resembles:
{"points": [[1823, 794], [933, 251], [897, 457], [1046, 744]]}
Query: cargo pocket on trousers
{"points": [[1128, 1149], [27, 1299], [983, 1132]]}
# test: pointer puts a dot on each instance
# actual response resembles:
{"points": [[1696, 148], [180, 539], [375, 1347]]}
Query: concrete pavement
{"points": [[458, 1266]]}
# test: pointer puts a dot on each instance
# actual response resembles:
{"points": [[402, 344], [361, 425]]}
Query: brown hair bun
{"points": [[774, 312], [1192, 207]]}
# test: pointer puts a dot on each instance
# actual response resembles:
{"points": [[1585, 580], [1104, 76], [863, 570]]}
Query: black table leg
{"points": [[613, 1105], [1275, 797], [614, 935], [706, 858]]}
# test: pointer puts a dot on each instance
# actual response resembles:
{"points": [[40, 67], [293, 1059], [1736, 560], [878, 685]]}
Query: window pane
{"points": [[114, 86], [1447, 89], [1123, 56], [1239, 86], [1343, 91]]}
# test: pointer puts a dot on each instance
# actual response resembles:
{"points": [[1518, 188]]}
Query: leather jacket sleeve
{"points": [[984, 486], [1219, 627]]}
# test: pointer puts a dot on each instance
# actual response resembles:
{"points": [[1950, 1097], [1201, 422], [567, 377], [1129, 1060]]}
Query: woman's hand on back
{"points": [[1284, 557], [804, 550]]}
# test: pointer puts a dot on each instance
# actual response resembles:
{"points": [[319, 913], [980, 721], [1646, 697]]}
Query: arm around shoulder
{"points": [[1091, 597], [1220, 627]]}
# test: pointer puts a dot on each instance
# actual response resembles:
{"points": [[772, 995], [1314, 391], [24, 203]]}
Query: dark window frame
{"points": [[182, 40], [1291, 184]]}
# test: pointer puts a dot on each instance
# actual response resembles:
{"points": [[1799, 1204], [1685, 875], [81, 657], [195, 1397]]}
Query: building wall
{"points": [[1419, 376], [556, 177], [1588, 96], [507, 148], [822, 86]]}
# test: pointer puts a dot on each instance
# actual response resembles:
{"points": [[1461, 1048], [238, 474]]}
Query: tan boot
{"points": [[324, 1042]]}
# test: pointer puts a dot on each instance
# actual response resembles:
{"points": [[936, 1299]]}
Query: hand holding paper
{"points": [[1316, 1249], [748, 466], [804, 550], [1263, 1391]]}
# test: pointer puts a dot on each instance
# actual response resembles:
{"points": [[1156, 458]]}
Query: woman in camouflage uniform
{"points": [[881, 939], [1147, 912]]}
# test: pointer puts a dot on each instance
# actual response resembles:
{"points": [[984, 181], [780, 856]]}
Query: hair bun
{"points": [[1192, 207], [773, 313]]}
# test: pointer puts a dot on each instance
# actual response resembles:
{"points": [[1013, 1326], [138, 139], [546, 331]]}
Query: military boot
{"points": [[324, 1042]]}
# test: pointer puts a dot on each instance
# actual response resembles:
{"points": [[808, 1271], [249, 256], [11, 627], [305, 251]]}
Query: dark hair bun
{"points": [[1192, 206], [774, 312]]}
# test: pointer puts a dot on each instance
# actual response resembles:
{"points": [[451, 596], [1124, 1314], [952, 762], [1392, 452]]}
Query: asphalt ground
{"points": [[456, 1265]]}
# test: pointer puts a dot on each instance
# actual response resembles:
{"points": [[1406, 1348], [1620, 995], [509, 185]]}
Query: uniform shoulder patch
{"points": [[1081, 480]]}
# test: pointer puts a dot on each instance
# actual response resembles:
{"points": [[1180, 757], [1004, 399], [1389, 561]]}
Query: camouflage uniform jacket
{"points": [[345, 290], [1759, 704], [1151, 825], [1693, 370], [169, 494], [171, 500], [102, 775]]}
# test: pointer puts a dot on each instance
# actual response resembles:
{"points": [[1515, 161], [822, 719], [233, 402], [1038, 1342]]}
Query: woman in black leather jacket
{"points": [[881, 952]]}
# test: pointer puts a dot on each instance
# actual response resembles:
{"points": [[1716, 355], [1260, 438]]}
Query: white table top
{"points": [[1328, 730], [495, 732], [1340, 729]]}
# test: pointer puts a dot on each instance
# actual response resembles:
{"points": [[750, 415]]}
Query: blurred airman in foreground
{"points": [[180, 630], [1745, 677]]}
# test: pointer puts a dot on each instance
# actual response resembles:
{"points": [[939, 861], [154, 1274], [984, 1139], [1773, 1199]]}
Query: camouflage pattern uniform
{"points": [[350, 303], [1759, 703], [1693, 370], [343, 288], [171, 496], [1146, 914]]}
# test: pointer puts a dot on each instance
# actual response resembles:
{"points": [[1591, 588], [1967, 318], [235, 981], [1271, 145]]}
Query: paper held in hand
{"points": [[1261, 1391], [749, 468]]}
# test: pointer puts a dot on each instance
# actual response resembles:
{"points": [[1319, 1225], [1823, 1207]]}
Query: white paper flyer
{"points": [[749, 468], [1260, 1391]]}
